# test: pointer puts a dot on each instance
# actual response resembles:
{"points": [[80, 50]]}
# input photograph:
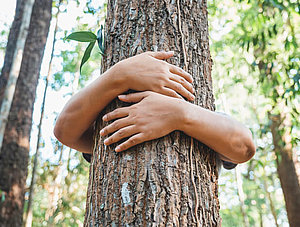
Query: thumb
{"points": [[133, 97], [161, 55]]}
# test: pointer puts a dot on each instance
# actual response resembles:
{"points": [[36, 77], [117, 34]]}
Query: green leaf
{"points": [[100, 40], [83, 36], [87, 54]]}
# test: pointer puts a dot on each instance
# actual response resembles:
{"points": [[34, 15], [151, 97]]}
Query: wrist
{"points": [[188, 116], [117, 78], [181, 113]]}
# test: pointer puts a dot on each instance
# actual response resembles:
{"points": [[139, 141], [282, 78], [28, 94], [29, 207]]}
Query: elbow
{"points": [[246, 148], [60, 132], [248, 152]]}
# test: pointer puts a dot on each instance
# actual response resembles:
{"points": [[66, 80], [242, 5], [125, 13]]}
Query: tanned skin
{"points": [[159, 108]]}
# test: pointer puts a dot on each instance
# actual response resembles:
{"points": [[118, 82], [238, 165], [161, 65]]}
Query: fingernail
{"points": [[105, 141], [192, 79], [121, 96], [118, 149], [102, 132], [104, 118], [171, 52]]}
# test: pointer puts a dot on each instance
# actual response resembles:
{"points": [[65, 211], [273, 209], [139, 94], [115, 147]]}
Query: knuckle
{"points": [[132, 141], [108, 115], [181, 80], [178, 86], [173, 93], [112, 139], [115, 126], [121, 133], [124, 146], [116, 112], [180, 70]]}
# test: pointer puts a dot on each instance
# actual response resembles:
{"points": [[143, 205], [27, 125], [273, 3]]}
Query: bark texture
{"points": [[286, 166], [11, 46], [15, 150], [171, 181]]}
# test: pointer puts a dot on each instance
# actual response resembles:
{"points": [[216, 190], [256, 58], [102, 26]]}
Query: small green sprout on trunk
{"points": [[91, 38]]}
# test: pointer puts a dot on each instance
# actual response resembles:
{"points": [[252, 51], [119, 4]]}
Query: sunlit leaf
{"points": [[87, 54], [83, 36]]}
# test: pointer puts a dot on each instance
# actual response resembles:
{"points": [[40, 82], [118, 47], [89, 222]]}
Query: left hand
{"points": [[153, 116]]}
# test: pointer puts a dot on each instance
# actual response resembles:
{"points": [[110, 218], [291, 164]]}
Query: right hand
{"points": [[152, 116], [148, 72]]}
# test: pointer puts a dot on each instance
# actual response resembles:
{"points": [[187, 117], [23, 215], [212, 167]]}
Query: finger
{"points": [[132, 141], [181, 90], [171, 93], [120, 134], [180, 72], [115, 126], [133, 97], [183, 82], [161, 55], [117, 113]]}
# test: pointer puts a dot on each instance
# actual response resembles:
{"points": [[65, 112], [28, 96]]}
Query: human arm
{"points": [[156, 115], [146, 71]]}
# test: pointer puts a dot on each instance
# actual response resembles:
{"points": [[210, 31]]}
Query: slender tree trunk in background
{"points": [[55, 189], [28, 216], [261, 223], [241, 194], [15, 150], [169, 181], [11, 46], [272, 207], [286, 166], [15, 68]]}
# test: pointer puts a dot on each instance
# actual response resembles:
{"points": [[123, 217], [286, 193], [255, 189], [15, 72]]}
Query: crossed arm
{"points": [[158, 110]]}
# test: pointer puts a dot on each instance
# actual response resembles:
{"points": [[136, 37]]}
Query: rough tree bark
{"points": [[15, 68], [15, 149], [171, 181], [11, 46]]}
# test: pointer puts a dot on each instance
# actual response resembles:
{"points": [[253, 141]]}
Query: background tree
{"points": [[171, 180], [62, 174], [15, 68], [15, 149], [28, 215], [259, 59]]}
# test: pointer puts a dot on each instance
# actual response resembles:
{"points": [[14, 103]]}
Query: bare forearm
{"points": [[144, 72], [73, 127], [223, 134]]}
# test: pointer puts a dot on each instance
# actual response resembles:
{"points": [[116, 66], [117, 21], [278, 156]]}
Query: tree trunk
{"points": [[269, 196], [11, 46], [28, 216], [55, 189], [171, 181], [286, 166], [15, 149], [15, 69], [241, 195]]}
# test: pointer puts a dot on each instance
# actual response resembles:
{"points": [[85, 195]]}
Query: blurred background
{"points": [[255, 48]]}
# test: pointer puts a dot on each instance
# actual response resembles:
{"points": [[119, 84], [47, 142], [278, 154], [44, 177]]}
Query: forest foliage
{"points": [[255, 48]]}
